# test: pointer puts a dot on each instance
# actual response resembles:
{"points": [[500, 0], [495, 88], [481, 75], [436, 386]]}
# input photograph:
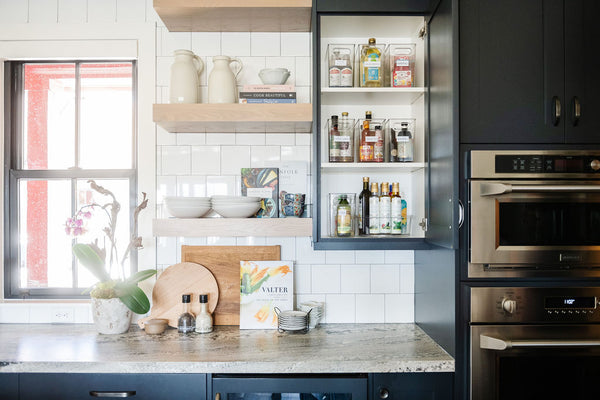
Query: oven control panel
{"points": [[547, 164], [534, 305]]}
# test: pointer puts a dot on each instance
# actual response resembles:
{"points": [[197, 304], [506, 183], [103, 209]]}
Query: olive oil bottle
{"points": [[370, 65]]}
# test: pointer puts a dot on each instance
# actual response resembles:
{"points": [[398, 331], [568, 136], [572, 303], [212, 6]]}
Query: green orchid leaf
{"points": [[91, 260], [140, 276], [135, 299]]}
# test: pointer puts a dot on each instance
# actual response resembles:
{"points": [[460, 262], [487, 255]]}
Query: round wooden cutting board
{"points": [[175, 281]]}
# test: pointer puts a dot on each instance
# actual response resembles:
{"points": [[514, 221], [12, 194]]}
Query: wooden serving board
{"points": [[175, 281], [224, 263]]}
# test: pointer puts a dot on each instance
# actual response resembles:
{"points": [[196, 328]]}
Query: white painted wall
{"points": [[357, 286]]}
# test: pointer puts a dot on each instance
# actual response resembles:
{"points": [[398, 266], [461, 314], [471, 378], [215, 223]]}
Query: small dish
{"points": [[155, 326], [274, 76]]}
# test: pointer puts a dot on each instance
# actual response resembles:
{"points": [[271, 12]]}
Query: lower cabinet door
{"points": [[110, 386], [9, 386], [290, 387], [413, 386]]}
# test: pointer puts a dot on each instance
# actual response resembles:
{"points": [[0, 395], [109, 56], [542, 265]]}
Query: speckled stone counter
{"points": [[334, 348]]}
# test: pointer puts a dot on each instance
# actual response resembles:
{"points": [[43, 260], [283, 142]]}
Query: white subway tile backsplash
{"points": [[166, 250], [163, 72], [234, 158], [206, 160], [399, 256], [305, 253], [303, 71], [264, 156], [102, 11], [191, 241], [172, 41], [303, 95], [176, 160], [206, 43], [164, 138], [281, 139], [355, 278], [407, 278], [295, 153], [15, 12], [235, 44], [220, 241], [385, 278], [191, 138], [325, 278], [131, 11], [370, 308], [302, 279], [71, 11], [191, 186], [265, 43], [303, 139], [220, 138], [220, 185], [250, 139], [249, 74], [339, 256], [340, 308], [399, 308], [369, 257], [251, 241], [288, 247], [165, 186], [295, 44], [43, 11]]}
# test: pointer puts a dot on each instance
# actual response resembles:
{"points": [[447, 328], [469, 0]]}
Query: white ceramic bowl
{"points": [[274, 76], [222, 199], [185, 201], [187, 207], [240, 210]]}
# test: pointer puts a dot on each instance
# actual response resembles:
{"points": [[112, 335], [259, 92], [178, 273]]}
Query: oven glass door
{"points": [[535, 362], [541, 223]]}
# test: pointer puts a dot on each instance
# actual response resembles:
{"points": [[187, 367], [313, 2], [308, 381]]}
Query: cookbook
{"points": [[265, 285], [264, 183]]}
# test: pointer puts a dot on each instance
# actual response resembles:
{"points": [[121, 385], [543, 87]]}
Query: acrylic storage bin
{"points": [[339, 218], [401, 64], [370, 144], [371, 65], [400, 139], [341, 65], [340, 140]]}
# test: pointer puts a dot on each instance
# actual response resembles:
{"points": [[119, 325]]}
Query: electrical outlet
{"points": [[63, 315]]}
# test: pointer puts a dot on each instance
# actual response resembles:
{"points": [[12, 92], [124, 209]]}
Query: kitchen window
{"points": [[66, 122]]}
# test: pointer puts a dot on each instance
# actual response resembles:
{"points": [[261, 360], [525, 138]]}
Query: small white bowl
{"points": [[187, 207], [222, 199], [240, 210], [274, 76]]}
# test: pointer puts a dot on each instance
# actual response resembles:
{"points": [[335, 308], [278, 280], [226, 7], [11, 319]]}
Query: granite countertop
{"points": [[333, 348]]}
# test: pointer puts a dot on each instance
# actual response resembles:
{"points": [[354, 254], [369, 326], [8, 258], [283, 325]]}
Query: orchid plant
{"points": [[94, 256]]}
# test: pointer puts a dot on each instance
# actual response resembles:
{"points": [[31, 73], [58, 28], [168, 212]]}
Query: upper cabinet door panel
{"points": [[582, 75], [420, 7], [511, 68]]}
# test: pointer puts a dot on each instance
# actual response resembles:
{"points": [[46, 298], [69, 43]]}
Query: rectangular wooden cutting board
{"points": [[224, 263]]}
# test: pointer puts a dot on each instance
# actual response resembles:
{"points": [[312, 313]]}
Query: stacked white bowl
{"points": [[187, 207], [316, 311], [235, 206]]}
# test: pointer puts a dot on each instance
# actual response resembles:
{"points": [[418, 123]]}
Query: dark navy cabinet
{"points": [[528, 71], [89, 386], [412, 386], [9, 386]]}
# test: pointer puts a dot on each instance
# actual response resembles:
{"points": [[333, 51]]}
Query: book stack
{"points": [[261, 94]]}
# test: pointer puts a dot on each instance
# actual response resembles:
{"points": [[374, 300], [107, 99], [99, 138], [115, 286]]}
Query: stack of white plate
{"points": [[291, 320], [315, 309], [187, 207], [235, 206]]}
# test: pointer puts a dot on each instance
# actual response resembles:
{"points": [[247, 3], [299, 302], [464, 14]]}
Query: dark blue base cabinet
{"points": [[57, 386]]}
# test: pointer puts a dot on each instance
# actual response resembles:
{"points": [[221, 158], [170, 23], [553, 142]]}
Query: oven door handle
{"points": [[495, 189], [492, 343]]}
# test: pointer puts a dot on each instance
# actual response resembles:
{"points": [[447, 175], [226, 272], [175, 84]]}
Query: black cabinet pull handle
{"points": [[556, 111], [576, 110], [97, 393]]}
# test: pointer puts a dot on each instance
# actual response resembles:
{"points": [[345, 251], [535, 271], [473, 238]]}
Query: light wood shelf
{"points": [[236, 118], [232, 227], [396, 166], [235, 15], [360, 95]]}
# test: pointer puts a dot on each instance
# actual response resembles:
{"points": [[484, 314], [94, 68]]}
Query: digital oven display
{"points": [[570, 303]]}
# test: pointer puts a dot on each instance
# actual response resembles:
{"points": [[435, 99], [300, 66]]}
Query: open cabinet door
{"points": [[441, 182]]}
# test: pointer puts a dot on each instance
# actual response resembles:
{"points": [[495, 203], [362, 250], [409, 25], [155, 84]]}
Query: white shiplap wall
{"points": [[357, 286]]}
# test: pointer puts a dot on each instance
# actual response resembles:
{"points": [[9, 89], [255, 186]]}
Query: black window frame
{"points": [[13, 112]]}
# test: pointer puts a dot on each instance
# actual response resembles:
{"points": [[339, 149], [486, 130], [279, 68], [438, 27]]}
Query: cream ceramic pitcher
{"points": [[222, 83], [185, 77]]}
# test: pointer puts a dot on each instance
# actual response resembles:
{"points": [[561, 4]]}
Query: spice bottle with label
{"points": [[374, 209], [379, 144], [346, 149], [343, 217], [367, 140], [401, 143], [334, 144], [385, 209], [186, 321], [204, 321]]}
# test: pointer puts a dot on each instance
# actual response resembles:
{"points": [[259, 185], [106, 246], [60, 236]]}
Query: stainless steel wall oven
{"points": [[534, 213]]}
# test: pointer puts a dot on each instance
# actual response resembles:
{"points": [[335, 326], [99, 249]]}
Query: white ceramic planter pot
{"points": [[111, 316]]}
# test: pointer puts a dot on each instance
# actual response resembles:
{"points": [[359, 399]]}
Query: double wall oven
{"points": [[533, 275]]}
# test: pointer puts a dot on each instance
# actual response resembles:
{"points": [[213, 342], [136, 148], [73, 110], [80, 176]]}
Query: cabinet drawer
{"points": [[413, 386], [102, 386]]}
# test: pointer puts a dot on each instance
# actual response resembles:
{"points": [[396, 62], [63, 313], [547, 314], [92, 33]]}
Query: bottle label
{"points": [[404, 219], [341, 139], [344, 222], [396, 215], [374, 215], [402, 78], [371, 139], [402, 62], [385, 215], [340, 63], [334, 77], [372, 63], [373, 74], [360, 214], [366, 153], [402, 138], [378, 152], [346, 79]]}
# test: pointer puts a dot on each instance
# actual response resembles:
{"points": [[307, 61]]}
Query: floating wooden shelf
{"points": [[232, 227], [235, 15], [236, 118], [349, 167]]}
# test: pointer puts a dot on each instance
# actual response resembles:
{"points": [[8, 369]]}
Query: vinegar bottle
{"points": [[367, 141], [385, 209], [396, 209], [334, 144], [363, 208], [374, 210]]}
